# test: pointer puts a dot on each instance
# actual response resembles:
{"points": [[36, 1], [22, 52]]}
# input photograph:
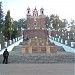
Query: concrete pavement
{"points": [[37, 69]]}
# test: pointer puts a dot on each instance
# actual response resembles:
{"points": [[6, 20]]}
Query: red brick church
{"points": [[35, 24], [36, 20], [37, 34]]}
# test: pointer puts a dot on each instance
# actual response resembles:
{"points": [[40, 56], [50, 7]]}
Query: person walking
{"points": [[5, 55]]}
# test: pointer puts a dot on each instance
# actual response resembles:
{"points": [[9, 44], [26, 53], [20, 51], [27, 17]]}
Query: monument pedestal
{"points": [[30, 49], [47, 49], [37, 45]]}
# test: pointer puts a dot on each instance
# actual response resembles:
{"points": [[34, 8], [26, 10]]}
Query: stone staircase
{"points": [[60, 57]]}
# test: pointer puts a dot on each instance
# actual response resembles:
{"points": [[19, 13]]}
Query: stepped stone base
{"points": [[16, 56], [38, 45], [39, 49], [40, 58]]}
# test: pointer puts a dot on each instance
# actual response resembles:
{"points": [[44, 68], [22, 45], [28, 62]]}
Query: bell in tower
{"points": [[41, 11], [28, 11]]}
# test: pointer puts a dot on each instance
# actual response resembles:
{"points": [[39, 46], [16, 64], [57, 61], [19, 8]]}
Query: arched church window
{"points": [[42, 12], [34, 23], [28, 11]]}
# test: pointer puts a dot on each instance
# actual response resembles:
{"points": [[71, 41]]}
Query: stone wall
{"points": [[38, 45]]}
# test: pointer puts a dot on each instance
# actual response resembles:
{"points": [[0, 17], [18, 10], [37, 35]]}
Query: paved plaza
{"points": [[37, 69], [60, 63]]}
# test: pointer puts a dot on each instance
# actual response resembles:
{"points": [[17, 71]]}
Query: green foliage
{"points": [[56, 22], [47, 21], [14, 34], [6, 33], [72, 22], [8, 25], [15, 24], [20, 23], [1, 15], [72, 28], [61, 24]]}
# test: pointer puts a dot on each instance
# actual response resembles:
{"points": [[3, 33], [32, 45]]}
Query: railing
{"points": [[64, 41], [9, 42], [69, 47]]}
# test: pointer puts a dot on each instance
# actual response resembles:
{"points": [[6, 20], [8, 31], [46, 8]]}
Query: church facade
{"points": [[36, 20], [36, 34]]}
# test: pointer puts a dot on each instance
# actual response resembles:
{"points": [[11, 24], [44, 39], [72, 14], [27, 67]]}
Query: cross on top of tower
{"points": [[35, 8]]}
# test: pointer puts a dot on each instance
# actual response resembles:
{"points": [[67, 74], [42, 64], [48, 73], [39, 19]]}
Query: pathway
{"points": [[37, 69]]}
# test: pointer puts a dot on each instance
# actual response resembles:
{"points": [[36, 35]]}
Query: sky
{"points": [[18, 8]]}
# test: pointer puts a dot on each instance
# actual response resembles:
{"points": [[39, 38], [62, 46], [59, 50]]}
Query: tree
{"points": [[8, 25], [1, 15], [61, 24], [15, 24], [20, 23], [54, 20], [14, 34], [72, 28], [47, 21], [72, 25], [65, 22], [72, 22]]}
